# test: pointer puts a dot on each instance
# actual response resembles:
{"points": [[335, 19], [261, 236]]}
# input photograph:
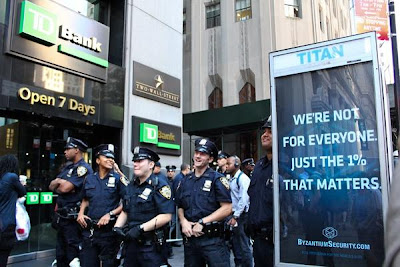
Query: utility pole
{"points": [[393, 38]]}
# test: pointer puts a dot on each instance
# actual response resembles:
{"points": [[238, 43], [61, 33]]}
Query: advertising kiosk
{"points": [[330, 154]]}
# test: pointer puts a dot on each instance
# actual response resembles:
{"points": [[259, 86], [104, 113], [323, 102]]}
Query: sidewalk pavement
{"points": [[176, 261]]}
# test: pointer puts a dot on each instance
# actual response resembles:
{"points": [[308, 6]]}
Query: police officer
{"points": [[221, 161], [247, 166], [170, 174], [157, 171], [68, 186], [147, 209], [261, 203], [101, 197], [204, 201]]}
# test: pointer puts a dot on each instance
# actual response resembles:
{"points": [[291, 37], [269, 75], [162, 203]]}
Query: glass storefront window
{"points": [[39, 147], [3, 12]]}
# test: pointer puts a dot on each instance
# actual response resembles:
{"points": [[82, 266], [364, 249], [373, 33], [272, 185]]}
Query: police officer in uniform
{"points": [[147, 209], [101, 197], [204, 201], [260, 216], [68, 186], [221, 161], [247, 166]]}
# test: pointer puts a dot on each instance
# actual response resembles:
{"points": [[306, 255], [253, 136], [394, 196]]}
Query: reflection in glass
{"points": [[58, 81]]}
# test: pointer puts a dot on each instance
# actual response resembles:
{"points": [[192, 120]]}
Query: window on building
{"points": [[184, 21], [215, 99], [243, 10], [94, 9], [342, 17], [334, 8], [247, 94], [328, 29], [293, 8], [213, 14], [321, 20]]}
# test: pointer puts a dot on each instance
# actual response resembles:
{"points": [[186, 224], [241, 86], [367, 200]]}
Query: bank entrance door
{"points": [[39, 147]]}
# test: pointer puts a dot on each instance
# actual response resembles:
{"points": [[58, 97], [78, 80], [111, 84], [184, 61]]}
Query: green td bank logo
{"points": [[33, 198], [149, 133], [41, 25], [38, 23]]}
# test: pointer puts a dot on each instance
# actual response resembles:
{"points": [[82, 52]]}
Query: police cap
{"points": [[223, 155], [75, 143], [248, 161], [171, 168], [157, 164], [268, 123], [206, 146], [106, 150], [140, 153]]}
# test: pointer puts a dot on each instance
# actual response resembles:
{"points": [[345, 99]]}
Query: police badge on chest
{"points": [[207, 185], [145, 194], [111, 182]]}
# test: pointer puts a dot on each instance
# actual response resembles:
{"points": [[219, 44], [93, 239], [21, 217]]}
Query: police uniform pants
{"points": [[69, 239], [241, 244], [203, 250], [140, 255], [263, 252], [7, 241], [101, 247]]}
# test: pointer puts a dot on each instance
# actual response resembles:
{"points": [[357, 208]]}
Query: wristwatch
{"points": [[201, 221], [111, 214]]}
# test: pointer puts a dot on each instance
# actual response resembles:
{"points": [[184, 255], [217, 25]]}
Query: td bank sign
{"points": [[64, 35], [161, 137]]}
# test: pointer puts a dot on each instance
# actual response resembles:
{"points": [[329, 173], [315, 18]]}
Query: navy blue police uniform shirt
{"points": [[104, 195], [143, 202], [75, 174], [201, 196], [178, 178], [260, 191]]}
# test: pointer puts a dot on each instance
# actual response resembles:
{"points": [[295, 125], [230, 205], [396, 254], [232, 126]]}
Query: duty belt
{"points": [[92, 226], [214, 229], [68, 213]]}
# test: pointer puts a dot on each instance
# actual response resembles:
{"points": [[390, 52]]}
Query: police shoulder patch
{"points": [[124, 180], [81, 171], [224, 181], [165, 191]]}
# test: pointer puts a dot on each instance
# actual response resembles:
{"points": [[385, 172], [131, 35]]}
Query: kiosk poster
{"points": [[328, 159]]}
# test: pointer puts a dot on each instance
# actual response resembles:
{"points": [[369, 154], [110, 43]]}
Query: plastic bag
{"points": [[22, 219]]}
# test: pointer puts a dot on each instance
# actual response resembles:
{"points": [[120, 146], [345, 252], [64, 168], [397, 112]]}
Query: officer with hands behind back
{"points": [[204, 201], [101, 197], [147, 208], [68, 186]]}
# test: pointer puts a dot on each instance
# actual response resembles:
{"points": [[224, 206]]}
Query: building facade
{"points": [[153, 59], [61, 75], [226, 62], [102, 71]]}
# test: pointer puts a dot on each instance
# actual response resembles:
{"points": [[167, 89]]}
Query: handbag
{"points": [[23, 223]]}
